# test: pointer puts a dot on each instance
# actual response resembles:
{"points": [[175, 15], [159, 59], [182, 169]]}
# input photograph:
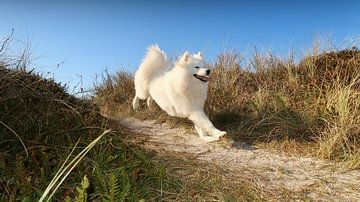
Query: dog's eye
{"points": [[197, 67]]}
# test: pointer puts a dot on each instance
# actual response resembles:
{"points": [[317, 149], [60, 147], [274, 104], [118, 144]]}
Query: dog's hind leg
{"points": [[149, 101], [135, 103]]}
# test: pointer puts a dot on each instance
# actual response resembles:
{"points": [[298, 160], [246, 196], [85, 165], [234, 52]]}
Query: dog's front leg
{"points": [[202, 121], [204, 136]]}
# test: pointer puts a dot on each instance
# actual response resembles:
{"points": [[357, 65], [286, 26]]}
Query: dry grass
{"points": [[313, 102], [311, 105]]}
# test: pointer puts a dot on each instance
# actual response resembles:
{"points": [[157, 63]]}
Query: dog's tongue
{"points": [[207, 78]]}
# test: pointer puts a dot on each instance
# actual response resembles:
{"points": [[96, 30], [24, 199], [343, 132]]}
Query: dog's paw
{"points": [[209, 138], [218, 133]]}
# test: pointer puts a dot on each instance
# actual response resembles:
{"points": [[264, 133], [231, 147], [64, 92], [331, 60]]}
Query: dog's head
{"points": [[194, 65]]}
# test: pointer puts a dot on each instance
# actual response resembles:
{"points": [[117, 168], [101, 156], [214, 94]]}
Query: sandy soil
{"points": [[318, 180]]}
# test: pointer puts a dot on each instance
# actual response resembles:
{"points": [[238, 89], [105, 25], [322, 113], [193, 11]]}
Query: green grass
{"points": [[311, 105], [41, 124]]}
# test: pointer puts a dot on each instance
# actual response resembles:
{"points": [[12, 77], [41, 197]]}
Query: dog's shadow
{"points": [[242, 146], [230, 122]]}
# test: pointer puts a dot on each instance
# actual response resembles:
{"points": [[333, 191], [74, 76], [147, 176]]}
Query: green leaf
{"points": [[82, 195]]}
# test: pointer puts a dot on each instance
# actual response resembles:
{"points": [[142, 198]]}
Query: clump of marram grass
{"points": [[340, 138], [272, 99], [315, 101], [259, 101]]}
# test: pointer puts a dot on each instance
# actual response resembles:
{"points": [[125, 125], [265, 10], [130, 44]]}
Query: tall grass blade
{"points": [[69, 168]]}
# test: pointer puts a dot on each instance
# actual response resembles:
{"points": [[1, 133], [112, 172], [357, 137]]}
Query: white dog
{"points": [[180, 89]]}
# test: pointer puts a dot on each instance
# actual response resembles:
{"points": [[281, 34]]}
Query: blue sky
{"points": [[91, 36]]}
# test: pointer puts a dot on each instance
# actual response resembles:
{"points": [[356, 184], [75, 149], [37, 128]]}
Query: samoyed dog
{"points": [[179, 88]]}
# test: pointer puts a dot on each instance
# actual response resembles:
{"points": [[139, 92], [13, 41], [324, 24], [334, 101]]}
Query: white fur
{"points": [[175, 89]]}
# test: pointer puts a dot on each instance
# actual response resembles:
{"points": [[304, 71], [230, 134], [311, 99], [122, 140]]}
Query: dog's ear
{"points": [[198, 55], [185, 57]]}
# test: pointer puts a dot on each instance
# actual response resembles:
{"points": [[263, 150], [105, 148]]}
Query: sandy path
{"points": [[318, 180]]}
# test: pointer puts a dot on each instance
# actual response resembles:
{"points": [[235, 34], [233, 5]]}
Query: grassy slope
{"points": [[49, 122], [310, 108]]}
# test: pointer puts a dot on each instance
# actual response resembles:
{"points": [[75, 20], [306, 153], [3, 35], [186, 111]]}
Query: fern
{"points": [[119, 186], [125, 192], [82, 194], [113, 187], [67, 199], [82, 191]]}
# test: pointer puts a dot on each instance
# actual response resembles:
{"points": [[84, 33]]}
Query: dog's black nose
{"points": [[208, 72]]}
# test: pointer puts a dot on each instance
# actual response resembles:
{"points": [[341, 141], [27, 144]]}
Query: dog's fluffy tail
{"points": [[154, 63]]}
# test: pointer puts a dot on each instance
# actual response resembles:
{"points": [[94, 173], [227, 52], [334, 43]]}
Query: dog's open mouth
{"points": [[202, 78]]}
